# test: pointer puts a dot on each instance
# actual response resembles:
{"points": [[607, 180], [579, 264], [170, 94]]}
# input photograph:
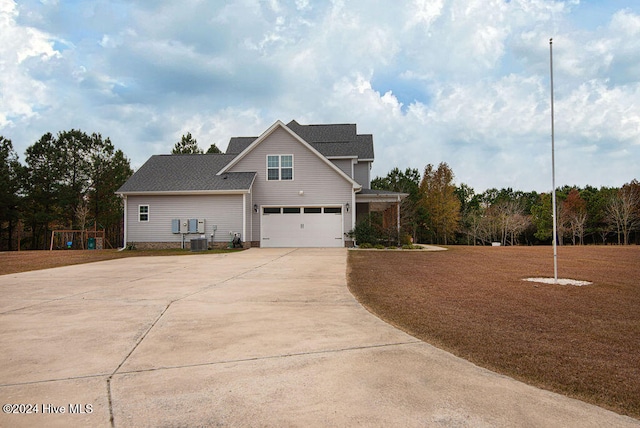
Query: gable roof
{"points": [[187, 173], [338, 140], [267, 133]]}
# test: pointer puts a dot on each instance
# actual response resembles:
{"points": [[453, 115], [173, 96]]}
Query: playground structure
{"points": [[77, 239]]}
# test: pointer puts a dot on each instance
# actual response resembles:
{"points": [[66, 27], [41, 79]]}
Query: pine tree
{"points": [[186, 145]]}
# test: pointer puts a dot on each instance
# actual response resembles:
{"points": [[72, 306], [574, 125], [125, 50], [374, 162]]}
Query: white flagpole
{"points": [[553, 174]]}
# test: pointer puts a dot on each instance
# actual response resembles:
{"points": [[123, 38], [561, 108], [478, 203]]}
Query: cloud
{"points": [[24, 51], [461, 81]]}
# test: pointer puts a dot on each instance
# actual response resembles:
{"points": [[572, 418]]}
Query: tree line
{"points": [[68, 181], [439, 212]]}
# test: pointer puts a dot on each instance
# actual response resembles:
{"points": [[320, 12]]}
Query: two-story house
{"points": [[293, 186]]}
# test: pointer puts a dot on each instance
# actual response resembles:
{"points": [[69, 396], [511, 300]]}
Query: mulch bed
{"points": [[583, 341]]}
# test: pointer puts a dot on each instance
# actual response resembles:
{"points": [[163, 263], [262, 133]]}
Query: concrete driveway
{"points": [[267, 337]]}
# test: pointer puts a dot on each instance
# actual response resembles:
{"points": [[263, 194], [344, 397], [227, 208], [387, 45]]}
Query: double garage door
{"points": [[301, 227]]}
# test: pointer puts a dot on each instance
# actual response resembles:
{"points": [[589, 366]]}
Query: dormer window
{"points": [[279, 167]]}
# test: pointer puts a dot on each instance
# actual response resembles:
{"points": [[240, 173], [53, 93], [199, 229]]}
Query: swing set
{"points": [[77, 239]]}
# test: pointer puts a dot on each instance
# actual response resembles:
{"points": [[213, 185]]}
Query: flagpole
{"points": [[553, 174]]}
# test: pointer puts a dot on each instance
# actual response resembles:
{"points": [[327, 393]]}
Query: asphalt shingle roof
{"points": [[179, 173], [175, 173], [330, 140]]}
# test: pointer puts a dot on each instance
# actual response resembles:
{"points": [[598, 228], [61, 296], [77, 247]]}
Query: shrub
{"points": [[364, 233]]}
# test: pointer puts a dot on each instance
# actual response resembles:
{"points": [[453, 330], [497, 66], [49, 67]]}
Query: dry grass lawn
{"points": [[22, 261], [583, 342]]}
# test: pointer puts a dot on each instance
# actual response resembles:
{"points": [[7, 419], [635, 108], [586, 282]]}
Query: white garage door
{"points": [[301, 227]]}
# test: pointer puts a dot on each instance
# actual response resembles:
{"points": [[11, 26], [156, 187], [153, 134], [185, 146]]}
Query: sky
{"points": [[466, 82]]}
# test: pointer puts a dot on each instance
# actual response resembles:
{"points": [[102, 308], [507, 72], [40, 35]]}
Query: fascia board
{"points": [[342, 157], [251, 146], [381, 198], [187, 192]]}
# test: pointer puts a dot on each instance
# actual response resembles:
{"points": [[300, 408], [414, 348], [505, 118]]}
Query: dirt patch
{"points": [[473, 302]]}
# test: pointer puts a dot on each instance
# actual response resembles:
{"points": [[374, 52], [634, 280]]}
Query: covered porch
{"points": [[385, 201]]}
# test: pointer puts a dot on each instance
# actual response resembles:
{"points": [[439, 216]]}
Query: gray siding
{"points": [[362, 174], [320, 184], [344, 165], [224, 211]]}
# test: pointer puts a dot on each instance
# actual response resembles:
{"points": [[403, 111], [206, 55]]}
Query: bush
{"points": [[365, 245], [411, 247], [364, 233]]}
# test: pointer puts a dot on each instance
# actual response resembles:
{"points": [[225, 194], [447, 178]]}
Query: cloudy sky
{"points": [[459, 81]]}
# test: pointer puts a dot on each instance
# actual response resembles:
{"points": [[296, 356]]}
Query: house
{"points": [[293, 186]]}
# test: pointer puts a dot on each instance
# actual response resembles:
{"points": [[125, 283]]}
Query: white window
{"points": [[279, 167], [143, 212]]}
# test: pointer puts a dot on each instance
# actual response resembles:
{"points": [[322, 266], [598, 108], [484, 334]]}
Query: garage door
{"points": [[301, 227]]}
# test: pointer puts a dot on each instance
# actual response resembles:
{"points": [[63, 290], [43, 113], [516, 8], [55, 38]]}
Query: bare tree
{"points": [[574, 210], [82, 212], [623, 211]]}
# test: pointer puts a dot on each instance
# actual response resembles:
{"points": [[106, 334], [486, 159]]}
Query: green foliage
{"points": [[364, 233], [10, 170], [411, 214], [438, 198], [214, 149], [186, 145], [542, 218], [69, 171]]}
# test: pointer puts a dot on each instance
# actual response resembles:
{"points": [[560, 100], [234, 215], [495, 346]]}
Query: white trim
{"points": [[380, 197], [187, 192], [140, 213], [342, 157], [280, 167], [268, 132], [124, 242], [302, 207], [244, 217], [353, 211]]}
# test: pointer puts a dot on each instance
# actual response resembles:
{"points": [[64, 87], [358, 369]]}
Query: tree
{"points": [[67, 172], [510, 219], [542, 217], [110, 170], [186, 145], [77, 153], [439, 200], [39, 183], [575, 215], [10, 170], [623, 210], [214, 149], [403, 182], [469, 211]]}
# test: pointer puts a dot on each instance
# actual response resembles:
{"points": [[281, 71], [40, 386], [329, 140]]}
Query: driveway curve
{"points": [[268, 337]]}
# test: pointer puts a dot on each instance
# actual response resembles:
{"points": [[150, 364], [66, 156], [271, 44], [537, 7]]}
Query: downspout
{"points": [[353, 210], [244, 217], [124, 243]]}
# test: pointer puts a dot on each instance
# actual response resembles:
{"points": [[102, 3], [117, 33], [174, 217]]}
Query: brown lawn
{"points": [[579, 341], [22, 261]]}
